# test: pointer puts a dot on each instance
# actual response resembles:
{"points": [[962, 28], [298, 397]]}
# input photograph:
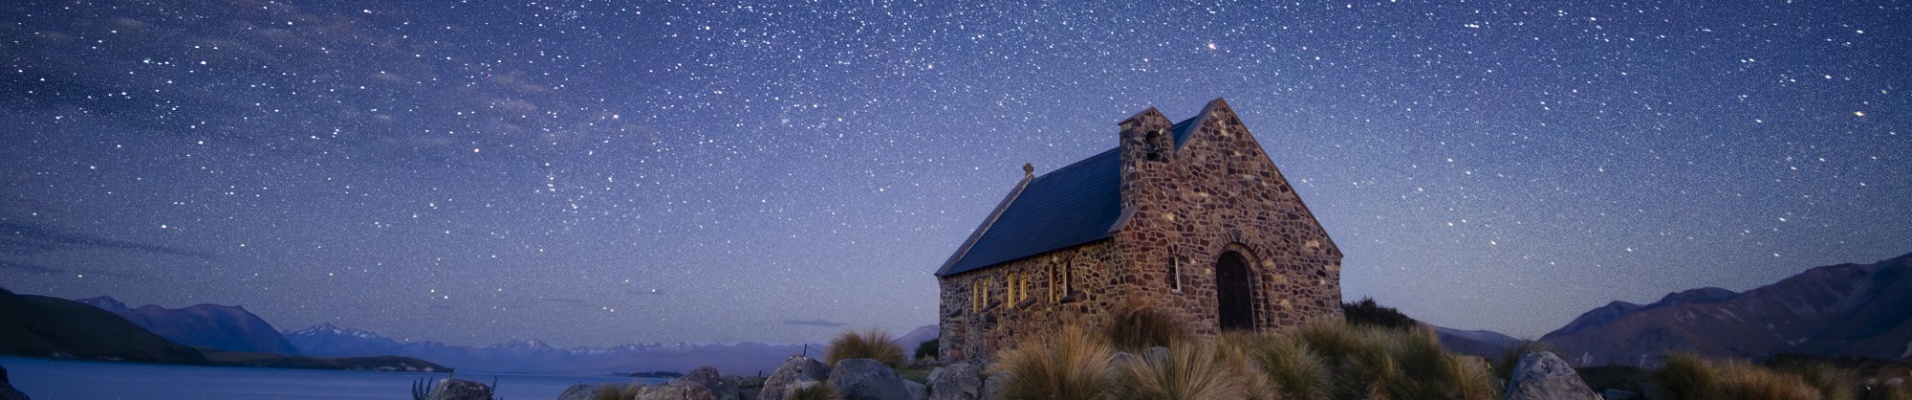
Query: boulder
{"points": [[721, 387], [959, 381], [673, 391], [917, 390], [1541, 375], [992, 386], [867, 379], [790, 377], [582, 391], [459, 389]]}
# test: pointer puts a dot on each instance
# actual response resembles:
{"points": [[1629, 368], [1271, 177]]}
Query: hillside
{"points": [[41, 326], [1847, 310], [228, 328]]}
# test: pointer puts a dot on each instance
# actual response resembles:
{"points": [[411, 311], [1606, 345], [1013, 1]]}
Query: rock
{"points": [[917, 390], [720, 387], [959, 381], [1541, 375], [867, 379], [7, 392], [992, 386], [673, 391], [582, 392], [790, 376], [1617, 394], [459, 389]]}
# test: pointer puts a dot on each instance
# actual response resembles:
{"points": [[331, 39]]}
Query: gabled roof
{"points": [[1076, 204]]}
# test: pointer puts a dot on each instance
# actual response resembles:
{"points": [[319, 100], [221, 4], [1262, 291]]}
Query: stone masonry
{"points": [[1185, 208]]}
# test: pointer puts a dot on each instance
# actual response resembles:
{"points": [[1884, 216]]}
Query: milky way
{"points": [[591, 173]]}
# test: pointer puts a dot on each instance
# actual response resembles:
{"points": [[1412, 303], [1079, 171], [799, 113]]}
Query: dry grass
{"points": [[1743, 380], [1290, 368], [1189, 371], [1135, 327], [1069, 366], [1685, 376], [872, 344], [1376, 362], [1326, 359]]}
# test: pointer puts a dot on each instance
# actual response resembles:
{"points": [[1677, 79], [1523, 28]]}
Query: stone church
{"points": [[1191, 218]]}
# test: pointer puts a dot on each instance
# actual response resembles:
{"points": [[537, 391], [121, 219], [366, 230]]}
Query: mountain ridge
{"points": [[221, 327], [1843, 310]]}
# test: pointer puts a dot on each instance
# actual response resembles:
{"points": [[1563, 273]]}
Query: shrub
{"points": [[1190, 370], [872, 344], [928, 350], [1070, 365], [1367, 313], [1135, 327]]}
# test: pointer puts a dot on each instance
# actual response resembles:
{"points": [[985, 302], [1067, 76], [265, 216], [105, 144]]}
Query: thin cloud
{"points": [[23, 239], [34, 268]]}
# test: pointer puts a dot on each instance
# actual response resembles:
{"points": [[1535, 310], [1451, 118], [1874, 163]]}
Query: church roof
{"points": [[1077, 204]]}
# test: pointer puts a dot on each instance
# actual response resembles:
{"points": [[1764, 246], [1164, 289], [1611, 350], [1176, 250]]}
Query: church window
{"points": [[1174, 274]]}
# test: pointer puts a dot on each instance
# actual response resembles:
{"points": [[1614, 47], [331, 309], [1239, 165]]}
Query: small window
{"points": [[1154, 150], [1174, 274], [976, 296], [1055, 283]]}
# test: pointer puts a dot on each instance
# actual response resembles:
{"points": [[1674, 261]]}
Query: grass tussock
{"points": [[1292, 368], [872, 344], [1072, 365], [1322, 360], [1191, 370], [1135, 327], [1377, 362], [1686, 376]]}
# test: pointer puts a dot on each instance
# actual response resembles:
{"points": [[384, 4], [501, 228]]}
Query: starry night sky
{"points": [[593, 173]]}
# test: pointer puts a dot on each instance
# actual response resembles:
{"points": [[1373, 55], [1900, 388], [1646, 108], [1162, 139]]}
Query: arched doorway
{"points": [[1234, 293]]}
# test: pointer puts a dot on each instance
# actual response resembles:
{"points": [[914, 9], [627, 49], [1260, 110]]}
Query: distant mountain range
{"points": [[41, 326], [1856, 310], [531, 356], [229, 328]]}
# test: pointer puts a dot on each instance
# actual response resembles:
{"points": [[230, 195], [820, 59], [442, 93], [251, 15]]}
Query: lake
{"points": [[49, 379]]}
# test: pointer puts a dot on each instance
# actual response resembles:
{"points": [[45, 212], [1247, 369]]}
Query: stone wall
{"points": [[1093, 269], [1217, 193]]}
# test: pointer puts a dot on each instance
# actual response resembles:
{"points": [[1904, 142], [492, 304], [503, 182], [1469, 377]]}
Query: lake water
{"points": [[48, 379]]}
